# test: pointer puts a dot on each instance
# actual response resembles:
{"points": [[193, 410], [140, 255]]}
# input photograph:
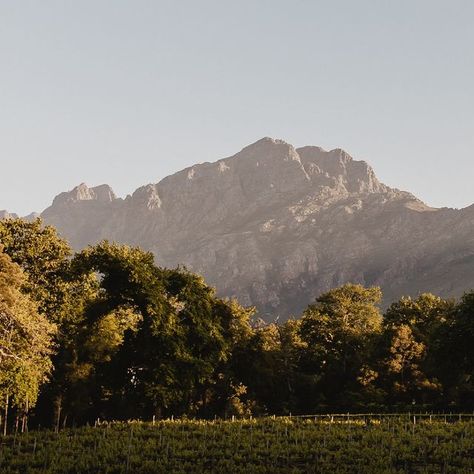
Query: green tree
{"points": [[424, 315], [268, 362], [152, 340], [43, 256], [413, 348], [339, 330], [402, 371], [26, 342], [460, 353]]}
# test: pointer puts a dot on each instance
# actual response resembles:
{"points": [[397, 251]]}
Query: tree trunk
{"points": [[5, 421], [17, 421], [58, 412], [25, 416]]}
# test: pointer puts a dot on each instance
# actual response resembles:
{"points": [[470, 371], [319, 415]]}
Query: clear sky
{"points": [[127, 92]]}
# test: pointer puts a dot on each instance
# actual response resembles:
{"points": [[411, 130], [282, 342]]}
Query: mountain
{"points": [[30, 217], [7, 215], [276, 226]]}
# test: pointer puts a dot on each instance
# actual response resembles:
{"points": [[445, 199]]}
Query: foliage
{"points": [[152, 341], [339, 330], [413, 348], [25, 341], [458, 343], [43, 256], [405, 377]]}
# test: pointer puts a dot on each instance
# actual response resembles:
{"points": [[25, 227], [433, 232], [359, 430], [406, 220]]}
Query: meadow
{"points": [[322, 444]]}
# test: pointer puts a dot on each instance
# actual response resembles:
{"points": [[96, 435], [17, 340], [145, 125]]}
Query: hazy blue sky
{"points": [[126, 92]]}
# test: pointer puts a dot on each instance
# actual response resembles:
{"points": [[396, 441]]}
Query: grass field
{"points": [[341, 444]]}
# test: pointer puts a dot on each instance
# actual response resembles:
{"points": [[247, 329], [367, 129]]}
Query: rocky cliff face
{"points": [[275, 226]]}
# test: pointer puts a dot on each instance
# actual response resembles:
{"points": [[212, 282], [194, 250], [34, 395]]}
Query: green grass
{"points": [[284, 445]]}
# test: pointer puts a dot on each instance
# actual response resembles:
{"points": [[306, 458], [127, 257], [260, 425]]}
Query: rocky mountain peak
{"points": [[102, 193], [7, 215], [276, 226], [271, 150], [147, 197], [339, 166]]}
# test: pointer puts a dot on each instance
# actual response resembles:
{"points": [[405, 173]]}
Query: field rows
{"points": [[282, 445]]}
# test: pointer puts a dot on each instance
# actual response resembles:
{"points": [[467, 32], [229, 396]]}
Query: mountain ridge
{"points": [[276, 225]]}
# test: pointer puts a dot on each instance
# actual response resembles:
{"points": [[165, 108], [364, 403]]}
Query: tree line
{"points": [[106, 333]]}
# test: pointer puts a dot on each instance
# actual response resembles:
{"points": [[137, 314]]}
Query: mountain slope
{"points": [[276, 226]]}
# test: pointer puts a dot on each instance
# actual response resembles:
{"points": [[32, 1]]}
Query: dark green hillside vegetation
{"points": [[370, 445], [108, 334]]}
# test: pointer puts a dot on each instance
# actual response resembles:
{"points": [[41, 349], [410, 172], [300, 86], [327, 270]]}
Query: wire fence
{"points": [[367, 418], [412, 417]]}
